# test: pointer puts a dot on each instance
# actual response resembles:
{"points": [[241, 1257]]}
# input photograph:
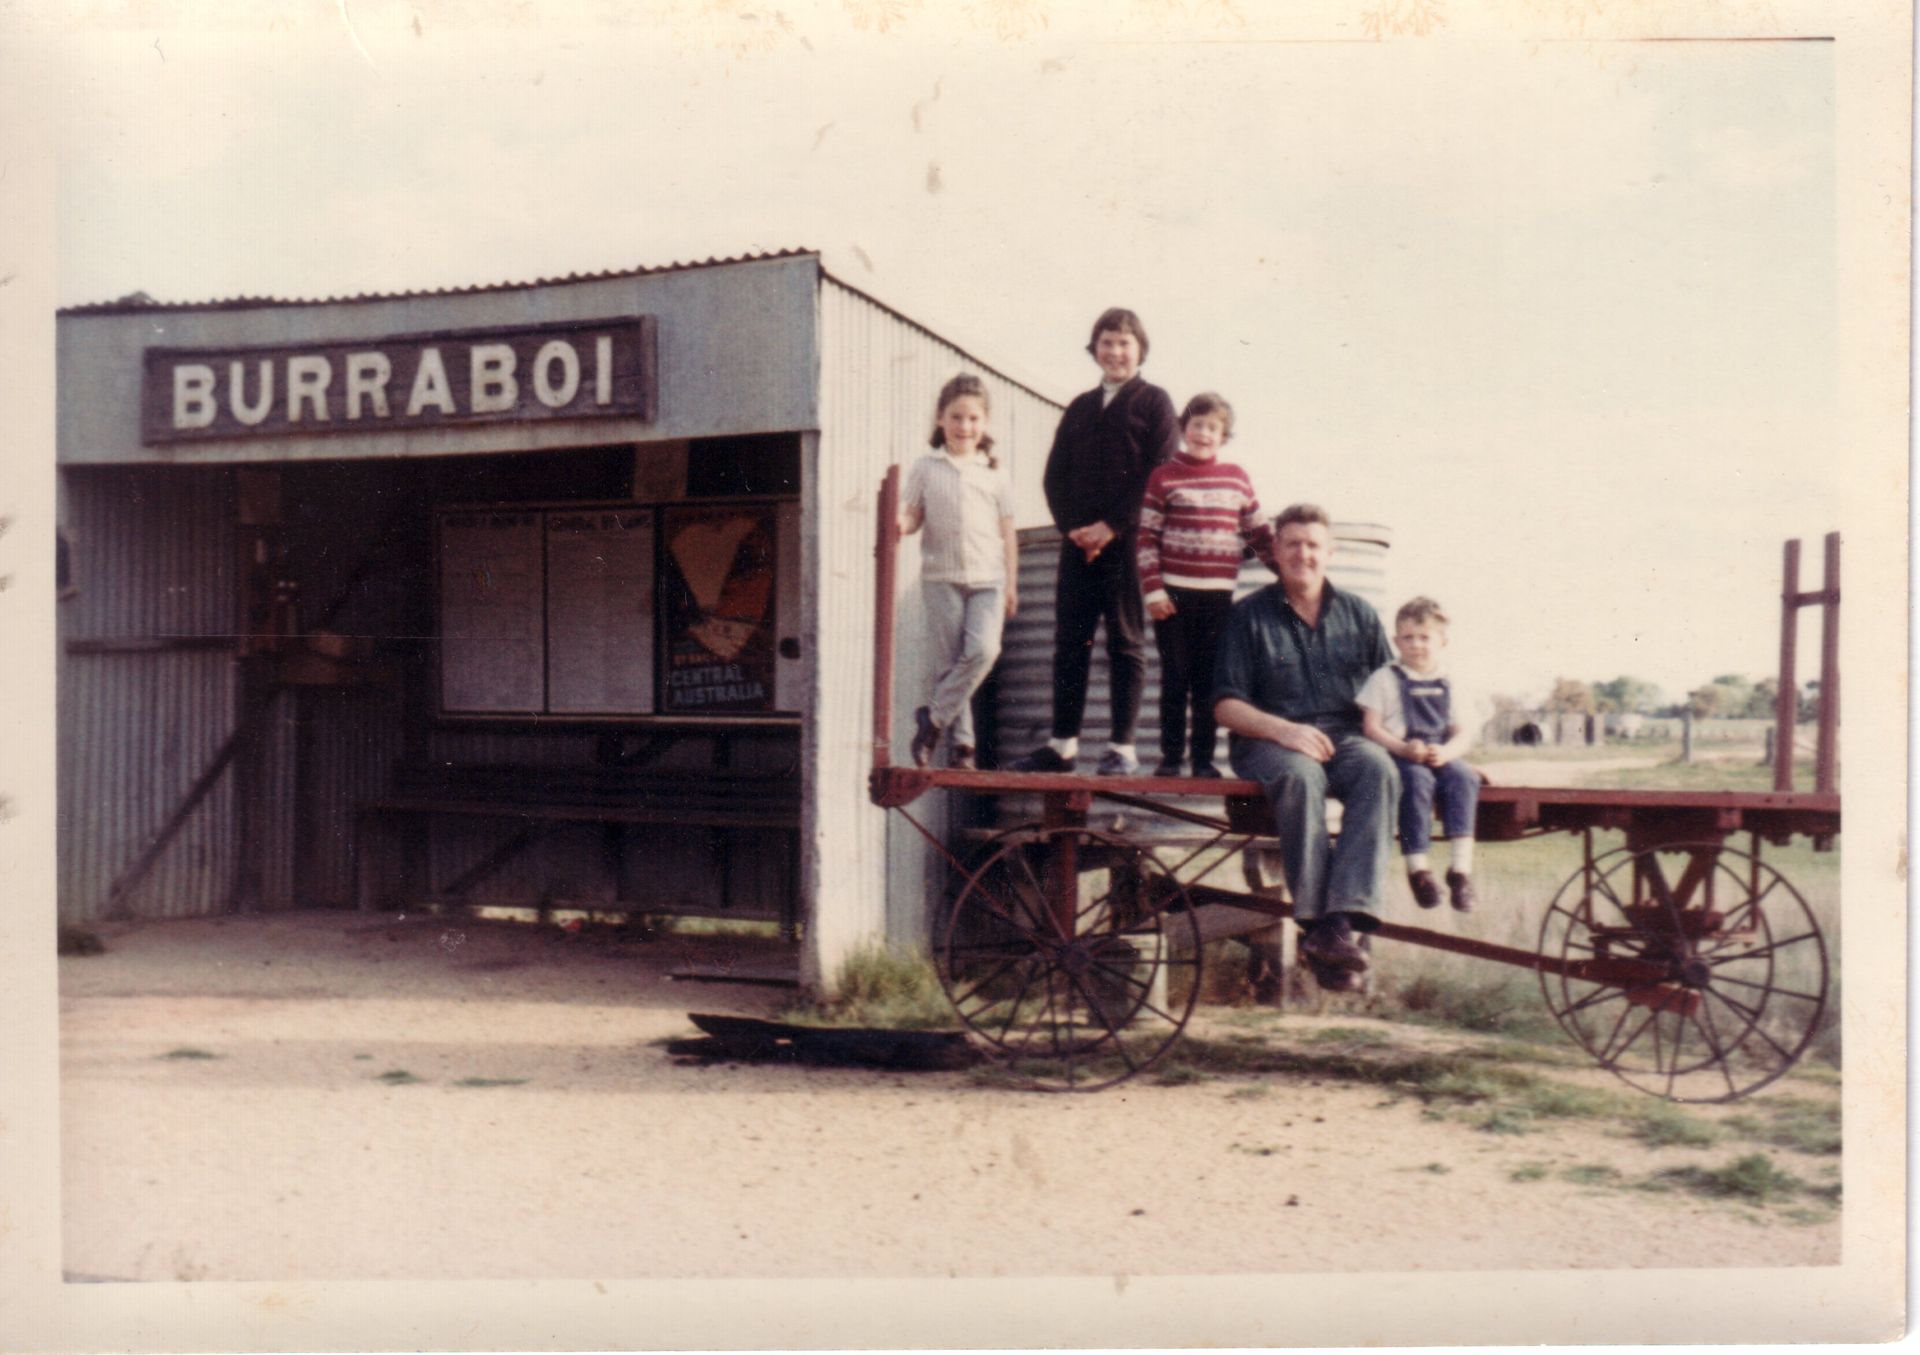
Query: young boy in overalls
{"points": [[1412, 709]]}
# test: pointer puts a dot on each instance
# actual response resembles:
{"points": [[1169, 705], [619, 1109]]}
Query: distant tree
{"points": [[1572, 695], [1625, 694], [1809, 710], [1760, 705], [1727, 695]]}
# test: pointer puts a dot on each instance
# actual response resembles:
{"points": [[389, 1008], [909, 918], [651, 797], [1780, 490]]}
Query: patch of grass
{"points": [[879, 986], [1753, 1179], [1791, 1122], [190, 1053], [1177, 1074], [1803, 1215], [1501, 1120], [1437, 1168], [1256, 1092], [1528, 1171], [1662, 1126], [1560, 1101], [491, 1082], [1592, 1174], [397, 1077], [1253, 1149], [1353, 1036], [1501, 1004], [358, 1057]]}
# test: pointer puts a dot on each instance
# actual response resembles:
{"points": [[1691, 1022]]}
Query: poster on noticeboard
{"points": [[717, 591]]}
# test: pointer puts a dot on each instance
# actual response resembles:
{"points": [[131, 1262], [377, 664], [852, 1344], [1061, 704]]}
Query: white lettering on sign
{"points": [[367, 377], [249, 414], [307, 382], [569, 370], [552, 351], [430, 385], [193, 403], [490, 369]]}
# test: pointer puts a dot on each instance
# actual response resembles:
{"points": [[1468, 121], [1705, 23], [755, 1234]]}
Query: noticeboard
{"points": [[717, 596], [598, 611]]}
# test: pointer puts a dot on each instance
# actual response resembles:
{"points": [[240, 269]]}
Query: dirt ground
{"points": [[356, 1096]]}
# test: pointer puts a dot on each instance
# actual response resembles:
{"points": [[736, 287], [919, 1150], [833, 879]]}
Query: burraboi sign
{"points": [[533, 373]]}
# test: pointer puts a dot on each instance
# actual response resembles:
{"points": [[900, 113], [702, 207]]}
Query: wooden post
{"points": [[1686, 736], [1825, 749], [1786, 704], [886, 553]]}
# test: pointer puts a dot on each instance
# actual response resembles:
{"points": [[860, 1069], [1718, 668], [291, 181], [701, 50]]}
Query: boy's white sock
{"points": [[1124, 750], [1417, 861], [1463, 854], [1066, 748]]}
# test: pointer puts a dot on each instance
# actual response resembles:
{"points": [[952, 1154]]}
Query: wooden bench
{"points": [[543, 798]]}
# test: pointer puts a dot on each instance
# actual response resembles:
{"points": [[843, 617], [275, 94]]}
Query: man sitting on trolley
{"points": [[1292, 659]]}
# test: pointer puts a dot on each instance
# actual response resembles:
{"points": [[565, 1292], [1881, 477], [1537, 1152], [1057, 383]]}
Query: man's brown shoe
{"points": [[1330, 941]]}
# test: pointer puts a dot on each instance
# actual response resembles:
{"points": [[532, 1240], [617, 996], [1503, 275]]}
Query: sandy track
{"points": [[285, 1157]]}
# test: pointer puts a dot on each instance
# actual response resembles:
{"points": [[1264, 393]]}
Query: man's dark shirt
{"points": [[1102, 455], [1272, 660]]}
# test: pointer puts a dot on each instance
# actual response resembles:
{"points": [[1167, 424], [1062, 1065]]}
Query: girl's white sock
{"points": [[1066, 748]]}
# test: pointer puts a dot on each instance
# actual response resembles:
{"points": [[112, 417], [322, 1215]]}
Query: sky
{"points": [[1560, 314]]}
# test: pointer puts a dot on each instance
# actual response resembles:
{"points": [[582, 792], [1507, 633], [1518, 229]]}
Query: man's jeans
{"points": [[1349, 878]]}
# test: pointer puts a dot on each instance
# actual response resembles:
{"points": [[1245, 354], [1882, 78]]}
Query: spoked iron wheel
{"points": [[1695, 972], [1075, 954]]}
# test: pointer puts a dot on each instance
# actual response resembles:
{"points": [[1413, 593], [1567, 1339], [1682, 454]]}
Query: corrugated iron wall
{"points": [[1023, 686], [152, 560], [880, 374]]}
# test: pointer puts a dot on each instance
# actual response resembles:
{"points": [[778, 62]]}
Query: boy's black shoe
{"points": [[1168, 767], [1207, 770], [963, 759], [1330, 941], [926, 737], [1113, 762], [1460, 887], [1041, 759], [1426, 889]]}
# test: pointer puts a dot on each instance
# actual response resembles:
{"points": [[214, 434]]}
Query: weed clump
{"points": [[1661, 1126], [1792, 1122], [1753, 1179], [879, 986]]}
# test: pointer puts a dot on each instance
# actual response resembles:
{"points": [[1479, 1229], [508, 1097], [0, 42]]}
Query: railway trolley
{"points": [[1071, 945]]}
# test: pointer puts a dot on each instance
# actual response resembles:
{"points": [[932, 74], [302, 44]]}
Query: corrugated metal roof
{"points": [[140, 301]]}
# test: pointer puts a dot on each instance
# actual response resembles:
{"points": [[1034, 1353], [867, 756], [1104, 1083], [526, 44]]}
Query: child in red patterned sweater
{"points": [[1198, 516]]}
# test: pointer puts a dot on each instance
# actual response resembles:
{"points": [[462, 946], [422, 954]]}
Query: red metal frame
{"points": [[1649, 818], [1787, 704]]}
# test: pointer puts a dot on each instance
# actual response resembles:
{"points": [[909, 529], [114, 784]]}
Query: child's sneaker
{"points": [[1168, 767], [1426, 889], [1206, 771], [963, 758], [926, 737], [1116, 763], [1460, 887]]}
